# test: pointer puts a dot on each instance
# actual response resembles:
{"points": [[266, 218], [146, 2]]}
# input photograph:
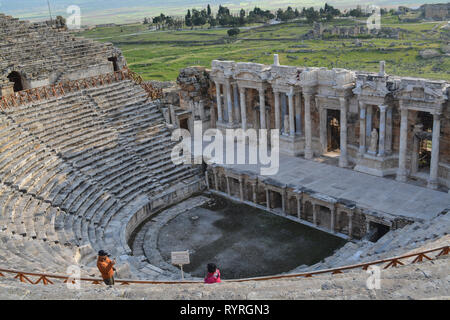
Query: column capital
{"points": [[343, 101], [436, 115], [362, 104], [291, 92], [383, 107]]}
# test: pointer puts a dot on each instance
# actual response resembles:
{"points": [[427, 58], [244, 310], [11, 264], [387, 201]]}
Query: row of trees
{"points": [[225, 18], [165, 22]]}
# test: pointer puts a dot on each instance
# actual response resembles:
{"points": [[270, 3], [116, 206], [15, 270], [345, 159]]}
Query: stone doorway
{"points": [[276, 200], [17, 79], [184, 124], [114, 62], [422, 144], [376, 231], [333, 130]]}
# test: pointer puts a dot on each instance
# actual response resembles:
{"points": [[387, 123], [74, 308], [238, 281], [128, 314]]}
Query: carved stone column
{"points": [[219, 103], [262, 108], [362, 128], [381, 139], [298, 113], [343, 159], [241, 188], [299, 207], [283, 201], [228, 186], [237, 111], [350, 224], [388, 148], [229, 101], [291, 114], [434, 163], [207, 179], [243, 108], [369, 116], [401, 173], [323, 127], [308, 133], [315, 206], [216, 180], [277, 110], [332, 220]]}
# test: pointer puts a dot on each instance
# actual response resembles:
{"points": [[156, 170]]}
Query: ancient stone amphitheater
{"points": [[86, 159]]}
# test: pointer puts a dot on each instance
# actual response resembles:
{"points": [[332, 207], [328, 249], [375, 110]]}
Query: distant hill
{"points": [[120, 11]]}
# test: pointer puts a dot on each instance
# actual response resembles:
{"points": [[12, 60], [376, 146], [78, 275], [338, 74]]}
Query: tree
{"points": [[242, 17], [209, 10], [356, 12], [223, 11], [212, 22], [312, 15], [188, 18], [233, 32], [199, 18]]}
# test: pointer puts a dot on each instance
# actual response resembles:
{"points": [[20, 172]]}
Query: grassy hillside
{"points": [[160, 55]]}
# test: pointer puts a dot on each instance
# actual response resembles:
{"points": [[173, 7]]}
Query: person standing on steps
{"points": [[106, 267], [213, 275]]}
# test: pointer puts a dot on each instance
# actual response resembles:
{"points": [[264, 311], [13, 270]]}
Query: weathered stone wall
{"points": [[196, 93], [56, 54], [439, 11], [157, 204], [327, 89]]}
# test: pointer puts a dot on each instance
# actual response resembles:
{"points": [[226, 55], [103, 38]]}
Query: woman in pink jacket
{"points": [[213, 275]]}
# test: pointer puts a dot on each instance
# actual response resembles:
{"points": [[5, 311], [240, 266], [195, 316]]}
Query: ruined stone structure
{"points": [[35, 55], [374, 123], [82, 169], [379, 124], [438, 11], [320, 30]]}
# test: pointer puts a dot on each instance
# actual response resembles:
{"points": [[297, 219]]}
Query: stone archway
{"points": [[16, 78]]}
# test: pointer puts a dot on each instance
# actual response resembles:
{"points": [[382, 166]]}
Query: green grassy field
{"points": [[160, 55]]}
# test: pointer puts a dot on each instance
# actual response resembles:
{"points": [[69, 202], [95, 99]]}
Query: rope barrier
{"points": [[391, 262]]}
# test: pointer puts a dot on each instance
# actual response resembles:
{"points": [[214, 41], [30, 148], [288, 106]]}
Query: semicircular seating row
{"points": [[72, 171], [39, 50]]}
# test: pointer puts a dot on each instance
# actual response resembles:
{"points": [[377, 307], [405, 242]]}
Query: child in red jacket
{"points": [[213, 275]]}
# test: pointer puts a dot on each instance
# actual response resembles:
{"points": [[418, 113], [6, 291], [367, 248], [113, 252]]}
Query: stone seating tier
{"points": [[72, 171]]}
